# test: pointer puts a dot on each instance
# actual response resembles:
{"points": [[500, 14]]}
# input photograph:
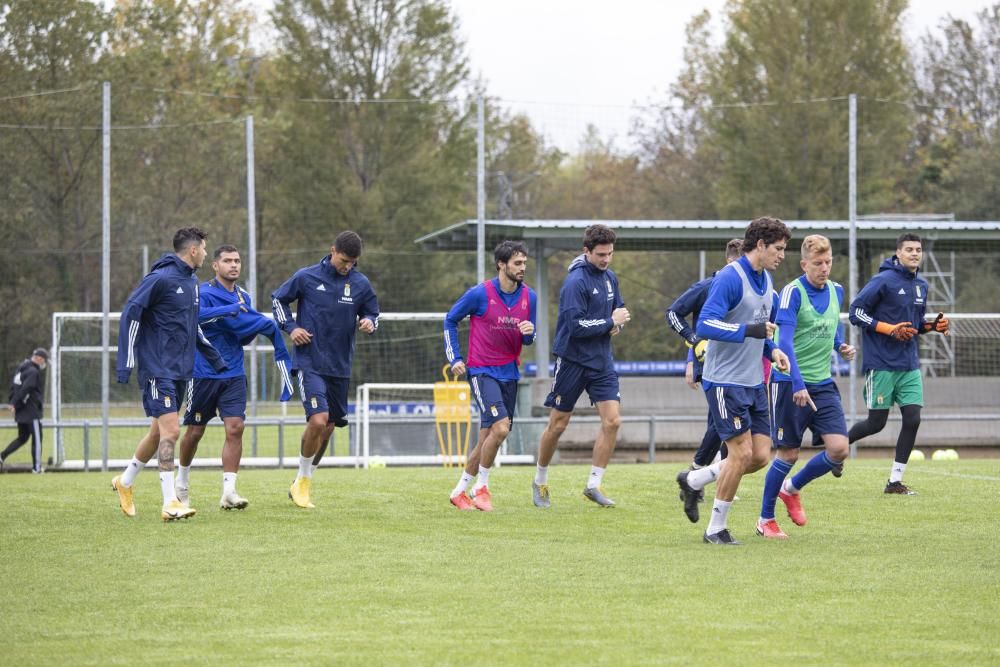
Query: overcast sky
{"points": [[567, 63]]}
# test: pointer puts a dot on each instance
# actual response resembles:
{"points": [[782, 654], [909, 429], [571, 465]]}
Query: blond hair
{"points": [[815, 244]]}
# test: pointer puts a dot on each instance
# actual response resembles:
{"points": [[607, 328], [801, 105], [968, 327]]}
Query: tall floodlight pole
{"points": [[252, 258], [105, 272], [480, 191], [852, 248]]}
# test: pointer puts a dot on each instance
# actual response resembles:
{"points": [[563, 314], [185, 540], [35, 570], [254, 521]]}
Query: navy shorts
{"points": [[226, 397], [571, 379], [324, 393], [496, 398], [161, 397], [789, 422], [736, 410]]}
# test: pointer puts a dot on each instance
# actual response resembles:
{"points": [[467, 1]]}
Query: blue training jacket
{"points": [[159, 331], [893, 295], [228, 335], [329, 307], [689, 303], [586, 301]]}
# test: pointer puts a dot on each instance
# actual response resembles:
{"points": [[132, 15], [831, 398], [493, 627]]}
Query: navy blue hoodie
{"points": [[893, 295], [586, 301], [329, 307], [159, 331]]}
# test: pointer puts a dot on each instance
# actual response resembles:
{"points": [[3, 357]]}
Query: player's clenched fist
{"points": [[526, 327]]}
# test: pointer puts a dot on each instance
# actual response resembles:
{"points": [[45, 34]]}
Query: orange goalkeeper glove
{"points": [[903, 331], [940, 324]]}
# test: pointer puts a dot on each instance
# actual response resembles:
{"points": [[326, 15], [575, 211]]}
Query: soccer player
{"points": [[591, 311], [334, 300], [806, 396], [890, 311], [502, 319], [225, 394], [158, 333], [690, 303], [738, 318]]}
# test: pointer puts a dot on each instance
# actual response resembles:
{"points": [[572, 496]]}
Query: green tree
{"points": [[49, 166], [390, 151], [778, 117]]}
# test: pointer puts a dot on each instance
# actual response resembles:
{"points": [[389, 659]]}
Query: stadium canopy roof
{"points": [[946, 234], [543, 237]]}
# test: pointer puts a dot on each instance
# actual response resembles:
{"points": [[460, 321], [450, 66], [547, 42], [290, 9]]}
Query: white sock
{"points": [[131, 472], [698, 479], [718, 456], [541, 475], [483, 479], [184, 476], [305, 466], [463, 484], [167, 485], [596, 477], [313, 467], [896, 475], [788, 487], [228, 482], [720, 514]]}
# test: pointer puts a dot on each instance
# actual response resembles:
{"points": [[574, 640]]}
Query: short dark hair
{"points": [[348, 243], [188, 236], [734, 249], [507, 249], [224, 248], [598, 235], [908, 236], [768, 230]]}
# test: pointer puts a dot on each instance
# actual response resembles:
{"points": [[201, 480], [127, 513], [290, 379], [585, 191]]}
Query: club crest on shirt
{"points": [[347, 289], [737, 423]]}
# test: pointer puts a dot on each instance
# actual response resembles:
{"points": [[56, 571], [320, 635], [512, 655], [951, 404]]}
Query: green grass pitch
{"points": [[385, 571]]}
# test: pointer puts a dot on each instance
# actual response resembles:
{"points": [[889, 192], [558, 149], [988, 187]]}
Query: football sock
{"points": [[463, 484], [720, 513], [228, 482], [772, 485], [167, 485], [483, 479], [596, 477], [698, 479], [184, 476], [896, 474], [818, 466], [131, 472], [541, 475], [305, 466]]}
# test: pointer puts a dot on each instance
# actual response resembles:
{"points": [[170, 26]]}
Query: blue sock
{"points": [[818, 466], [772, 485]]}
